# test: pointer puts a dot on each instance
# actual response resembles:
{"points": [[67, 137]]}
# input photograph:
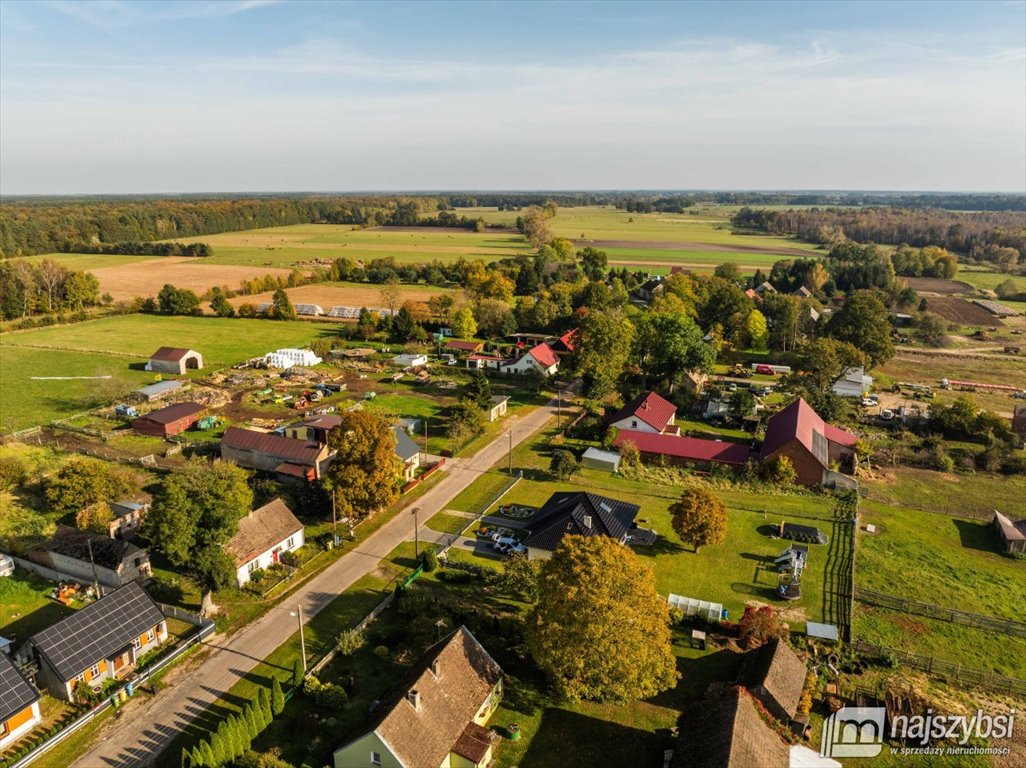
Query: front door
{"points": [[274, 555]]}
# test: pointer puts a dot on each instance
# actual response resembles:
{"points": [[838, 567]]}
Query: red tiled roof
{"points": [[799, 422], [692, 448], [652, 409], [543, 354], [464, 346]]}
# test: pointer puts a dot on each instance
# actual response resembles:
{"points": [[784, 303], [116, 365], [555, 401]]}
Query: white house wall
{"points": [[266, 559]]}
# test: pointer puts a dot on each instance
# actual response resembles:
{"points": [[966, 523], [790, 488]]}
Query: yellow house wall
{"points": [[358, 754]]}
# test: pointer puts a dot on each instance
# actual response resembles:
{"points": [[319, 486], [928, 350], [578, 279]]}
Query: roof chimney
{"points": [[587, 521], [414, 698]]}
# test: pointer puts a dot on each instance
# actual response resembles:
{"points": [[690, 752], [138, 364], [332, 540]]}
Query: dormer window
{"points": [[414, 698]]}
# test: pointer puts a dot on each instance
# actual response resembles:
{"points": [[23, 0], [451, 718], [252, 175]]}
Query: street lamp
{"points": [[302, 637], [416, 534]]}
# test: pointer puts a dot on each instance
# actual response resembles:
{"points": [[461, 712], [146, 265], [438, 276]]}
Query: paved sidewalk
{"points": [[144, 731]]}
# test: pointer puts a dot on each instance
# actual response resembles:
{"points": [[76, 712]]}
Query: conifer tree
{"points": [[277, 698]]}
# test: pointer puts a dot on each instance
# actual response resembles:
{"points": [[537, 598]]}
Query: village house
{"points": [[1012, 533], [460, 347], [263, 535], [563, 345], [284, 456], [540, 359], [679, 450], [729, 732], [169, 421], [498, 407], [853, 383], [811, 444], [19, 704], [776, 677], [435, 716], [478, 362], [407, 451], [647, 413], [127, 515], [650, 289], [175, 360], [88, 557], [99, 642], [583, 514], [314, 427]]}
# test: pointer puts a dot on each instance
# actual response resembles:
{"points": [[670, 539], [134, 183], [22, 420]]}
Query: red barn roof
{"points": [[170, 354], [799, 422], [689, 448], [173, 413], [652, 409]]}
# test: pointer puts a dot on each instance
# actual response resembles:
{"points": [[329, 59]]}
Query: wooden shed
{"points": [[169, 421]]}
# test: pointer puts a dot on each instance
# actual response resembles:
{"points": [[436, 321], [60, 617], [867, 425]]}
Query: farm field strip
{"points": [[327, 295]]}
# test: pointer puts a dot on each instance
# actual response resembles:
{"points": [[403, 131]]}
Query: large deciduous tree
{"points": [[364, 475], [195, 513], [602, 350], [600, 630], [82, 482], [281, 306], [864, 323], [669, 344], [464, 326], [699, 518]]}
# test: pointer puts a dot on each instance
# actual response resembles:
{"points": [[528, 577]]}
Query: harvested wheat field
{"points": [[146, 278], [328, 295]]}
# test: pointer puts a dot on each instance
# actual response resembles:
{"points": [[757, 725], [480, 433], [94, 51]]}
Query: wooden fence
{"points": [[951, 615], [944, 669]]}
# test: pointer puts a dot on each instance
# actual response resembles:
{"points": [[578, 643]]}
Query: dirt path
{"points": [[691, 245], [141, 735]]}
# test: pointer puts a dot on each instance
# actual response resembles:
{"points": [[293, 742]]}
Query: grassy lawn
{"points": [[988, 280], [117, 347], [26, 606], [446, 523], [955, 563], [937, 492]]}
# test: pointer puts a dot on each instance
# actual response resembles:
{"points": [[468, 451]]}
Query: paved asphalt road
{"points": [[145, 729]]}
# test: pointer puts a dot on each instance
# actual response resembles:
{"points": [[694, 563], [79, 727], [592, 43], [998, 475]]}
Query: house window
{"points": [[375, 758], [634, 424], [136, 644], [252, 566], [94, 670], [290, 543], [150, 636]]}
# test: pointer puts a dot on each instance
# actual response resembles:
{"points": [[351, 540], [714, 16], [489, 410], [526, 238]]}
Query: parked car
{"points": [[765, 370], [871, 401], [886, 414], [517, 549], [732, 387], [503, 543]]}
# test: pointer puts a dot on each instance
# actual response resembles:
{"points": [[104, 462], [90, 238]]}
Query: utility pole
{"points": [[416, 534], [302, 637]]}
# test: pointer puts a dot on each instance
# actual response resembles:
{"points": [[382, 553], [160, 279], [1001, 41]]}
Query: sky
{"points": [[261, 96]]}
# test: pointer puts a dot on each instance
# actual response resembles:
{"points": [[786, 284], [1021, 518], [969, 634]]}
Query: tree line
{"points": [[29, 289], [994, 237]]}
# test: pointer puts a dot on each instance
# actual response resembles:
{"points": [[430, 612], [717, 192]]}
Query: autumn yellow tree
{"points": [[600, 631], [699, 518], [364, 475], [96, 517]]}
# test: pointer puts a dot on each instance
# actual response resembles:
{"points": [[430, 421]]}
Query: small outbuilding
{"points": [[175, 360], [1012, 533], [407, 360], [159, 390], [169, 421], [853, 383], [776, 677], [596, 458], [498, 407]]}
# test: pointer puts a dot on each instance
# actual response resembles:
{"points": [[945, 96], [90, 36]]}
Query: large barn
{"points": [[175, 360]]}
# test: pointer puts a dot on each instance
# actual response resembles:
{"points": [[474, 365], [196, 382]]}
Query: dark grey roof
{"points": [[98, 631], [405, 448], [15, 692], [106, 552], [565, 512]]}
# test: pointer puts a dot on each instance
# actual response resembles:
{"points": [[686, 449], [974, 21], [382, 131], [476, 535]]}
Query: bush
{"points": [[429, 560], [13, 472], [349, 642], [290, 559], [326, 695], [382, 652]]}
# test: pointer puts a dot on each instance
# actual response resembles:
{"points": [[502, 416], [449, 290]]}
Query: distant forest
{"points": [[45, 225], [998, 238]]}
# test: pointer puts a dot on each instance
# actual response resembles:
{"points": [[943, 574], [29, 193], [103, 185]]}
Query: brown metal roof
{"points": [[473, 743], [296, 451], [173, 413]]}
